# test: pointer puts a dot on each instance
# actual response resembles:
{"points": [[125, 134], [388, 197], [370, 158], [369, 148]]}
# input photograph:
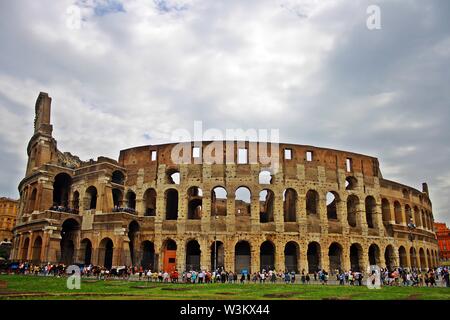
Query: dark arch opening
{"points": [[86, 251], [290, 205], [106, 251], [335, 257], [148, 255], [69, 231], [61, 189], [351, 183], [195, 201], [193, 254], [352, 210], [217, 259], [374, 255], [267, 256], [355, 257], [37, 246], [266, 206], [171, 204], [312, 202], [389, 258], [242, 257], [91, 197], [291, 256], [332, 205], [313, 255], [118, 177], [370, 211], [150, 202], [133, 231]]}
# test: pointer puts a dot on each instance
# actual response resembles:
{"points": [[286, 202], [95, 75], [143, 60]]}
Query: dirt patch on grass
{"points": [[281, 295], [226, 293], [337, 298], [415, 296], [143, 287], [176, 289]]}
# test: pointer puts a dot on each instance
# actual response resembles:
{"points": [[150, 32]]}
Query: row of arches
{"points": [[405, 214]]}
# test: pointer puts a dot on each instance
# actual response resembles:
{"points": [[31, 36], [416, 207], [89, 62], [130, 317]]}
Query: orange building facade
{"points": [[443, 236]]}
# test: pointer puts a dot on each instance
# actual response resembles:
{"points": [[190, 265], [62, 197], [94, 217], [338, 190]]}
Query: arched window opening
{"points": [[389, 257], [91, 198], [131, 202], [398, 213], [61, 189], [118, 177], [148, 255], [266, 202], [86, 251], [386, 210], [173, 176], [371, 207], [332, 205], [265, 177], [356, 257], [117, 200], [290, 205], [150, 202], [171, 204], [106, 252], [351, 183], [402, 256], [195, 201], [242, 202], [69, 232], [76, 202], [374, 255], [352, 210], [219, 201], [312, 202]]}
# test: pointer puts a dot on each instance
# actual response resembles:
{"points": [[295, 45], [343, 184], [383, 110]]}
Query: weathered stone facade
{"points": [[8, 213], [322, 208]]}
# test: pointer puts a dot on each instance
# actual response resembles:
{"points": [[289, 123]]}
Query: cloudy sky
{"points": [[129, 72]]}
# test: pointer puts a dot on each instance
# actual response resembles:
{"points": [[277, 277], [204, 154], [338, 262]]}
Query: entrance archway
{"points": [[313, 255], [335, 257], [389, 257], [169, 255], [193, 254], [86, 251], [148, 255], [291, 255], [267, 256], [402, 256], [37, 250], [374, 255], [69, 233], [217, 260], [106, 251], [242, 257], [355, 257]]}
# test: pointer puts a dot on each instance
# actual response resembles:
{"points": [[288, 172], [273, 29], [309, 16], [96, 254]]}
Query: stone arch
{"points": [[291, 256], [290, 205], [386, 210], [69, 232], [76, 201], [374, 255], [356, 257], [408, 214], [417, 219], [86, 251], [118, 177], [217, 255], [173, 176], [312, 202], [314, 257], [430, 264], [193, 255], [32, 200], [398, 213], [413, 257], [37, 247], [61, 189], [333, 200], [352, 210], [169, 255], [266, 205], [106, 252], [242, 201], [371, 206], [91, 198], [265, 177], [389, 257], [117, 198], [195, 202], [422, 259], [133, 234], [403, 257], [148, 255], [150, 202], [26, 244], [131, 200], [219, 198], [267, 255], [335, 257], [171, 196], [242, 256], [351, 183]]}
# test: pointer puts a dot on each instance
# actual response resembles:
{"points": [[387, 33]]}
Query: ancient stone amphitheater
{"points": [[322, 208]]}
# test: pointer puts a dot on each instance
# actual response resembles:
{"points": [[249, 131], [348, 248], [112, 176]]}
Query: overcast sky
{"points": [[133, 71]]}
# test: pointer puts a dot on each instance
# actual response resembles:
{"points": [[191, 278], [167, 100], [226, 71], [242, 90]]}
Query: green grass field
{"points": [[44, 288]]}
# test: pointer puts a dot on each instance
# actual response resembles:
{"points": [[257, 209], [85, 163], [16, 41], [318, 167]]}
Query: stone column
{"points": [[255, 263], [254, 219], [279, 256], [206, 212]]}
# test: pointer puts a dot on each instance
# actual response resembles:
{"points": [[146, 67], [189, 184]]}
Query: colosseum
{"points": [[322, 208]]}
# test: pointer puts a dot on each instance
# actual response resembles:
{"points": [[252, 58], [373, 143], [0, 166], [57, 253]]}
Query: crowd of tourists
{"points": [[65, 209], [397, 277]]}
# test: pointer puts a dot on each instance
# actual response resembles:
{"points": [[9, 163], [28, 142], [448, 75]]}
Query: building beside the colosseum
{"points": [[443, 237], [8, 213], [322, 208]]}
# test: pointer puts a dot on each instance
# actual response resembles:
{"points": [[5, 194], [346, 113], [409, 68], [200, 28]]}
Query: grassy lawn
{"points": [[40, 288]]}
